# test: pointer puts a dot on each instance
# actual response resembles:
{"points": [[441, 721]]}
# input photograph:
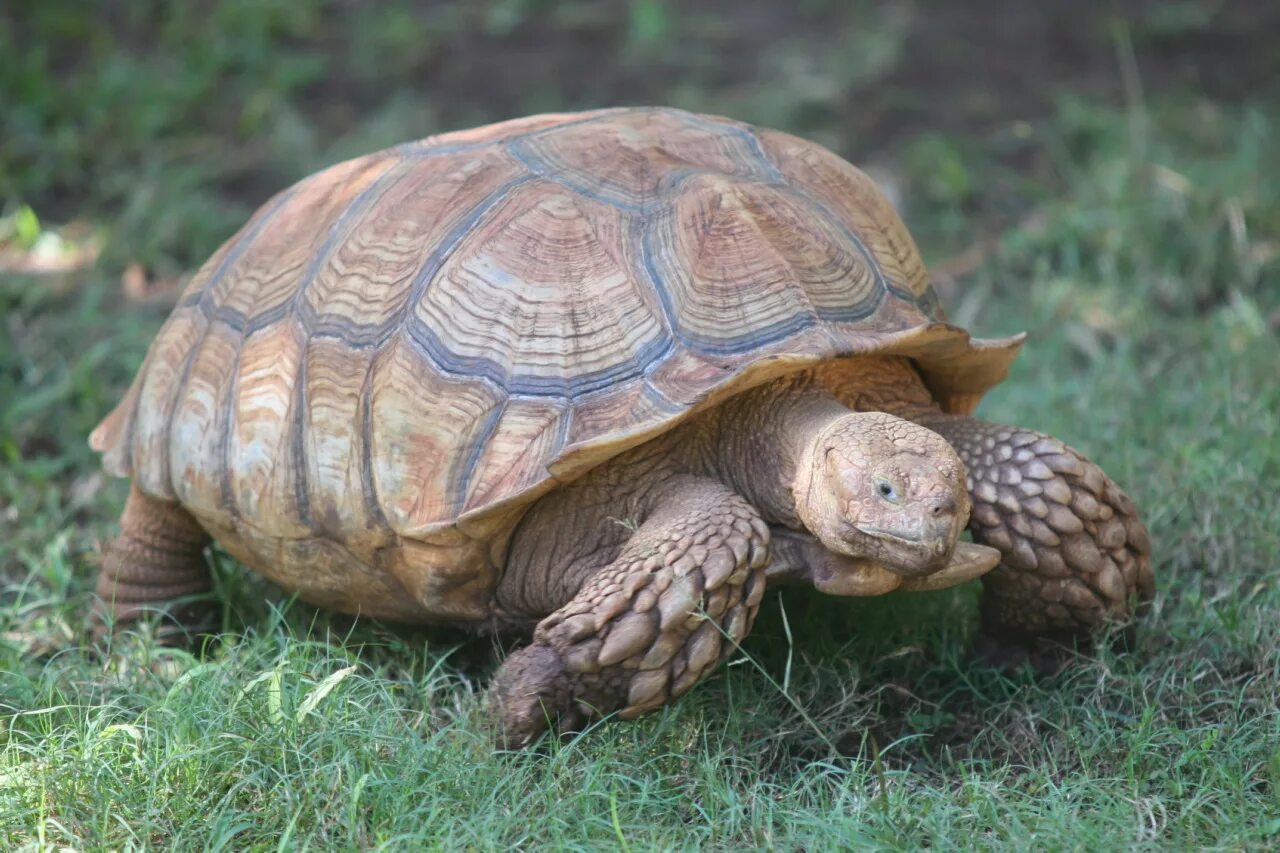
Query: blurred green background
{"points": [[1103, 175], [169, 122]]}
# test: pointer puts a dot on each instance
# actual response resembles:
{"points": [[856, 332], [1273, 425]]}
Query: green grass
{"points": [[1140, 248]]}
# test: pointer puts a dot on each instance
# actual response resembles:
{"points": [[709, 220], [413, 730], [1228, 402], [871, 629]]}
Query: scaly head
{"points": [[878, 488]]}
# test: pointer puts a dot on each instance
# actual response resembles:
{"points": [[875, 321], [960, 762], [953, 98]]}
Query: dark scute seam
{"points": [[665, 404], [297, 442], [929, 303], [371, 502], [563, 422], [464, 468], [565, 387], [229, 317]]}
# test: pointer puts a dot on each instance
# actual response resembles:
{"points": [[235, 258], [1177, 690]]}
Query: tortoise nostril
{"points": [[943, 505]]}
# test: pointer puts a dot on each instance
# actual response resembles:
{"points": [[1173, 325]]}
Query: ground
{"points": [[1107, 182]]}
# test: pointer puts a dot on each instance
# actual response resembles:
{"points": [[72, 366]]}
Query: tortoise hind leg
{"points": [[1076, 556], [156, 565]]}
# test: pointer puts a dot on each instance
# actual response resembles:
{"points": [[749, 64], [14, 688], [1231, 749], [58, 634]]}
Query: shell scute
{"points": [[259, 456], [426, 431], [147, 440], [742, 266], [540, 300], [530, 430], [294, 244], [333, 441], [642, 156], [829, 181]]}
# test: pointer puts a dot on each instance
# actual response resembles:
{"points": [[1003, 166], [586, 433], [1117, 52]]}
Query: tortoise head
{"points": [[881, 489]]}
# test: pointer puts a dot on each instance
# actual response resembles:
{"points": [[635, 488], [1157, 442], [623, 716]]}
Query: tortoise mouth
{"points": [[889, 535], [910, 553], [800, 557], [845, 576]]}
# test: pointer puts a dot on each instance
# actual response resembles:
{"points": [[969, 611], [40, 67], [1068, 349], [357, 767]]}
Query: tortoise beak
{"points": [[969, 560], [918, 549], [800, 557], [849, 576]]}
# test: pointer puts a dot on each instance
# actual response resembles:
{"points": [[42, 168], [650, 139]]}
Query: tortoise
{"points": [[603, 377]]}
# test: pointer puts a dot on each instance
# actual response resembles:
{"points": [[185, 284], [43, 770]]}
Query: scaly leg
{"points": [[157, 559], [640, 632], [1076, 555]]}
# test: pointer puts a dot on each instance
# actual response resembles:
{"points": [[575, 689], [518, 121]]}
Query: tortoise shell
{"points": [[403, 351]]}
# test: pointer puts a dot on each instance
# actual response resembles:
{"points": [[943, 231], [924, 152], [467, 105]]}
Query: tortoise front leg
{"points": [[1076, 555], [644, 629], [156, 565]]}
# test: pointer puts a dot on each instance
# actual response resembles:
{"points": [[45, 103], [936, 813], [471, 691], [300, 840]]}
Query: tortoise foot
{"points": [[1047, 655], [1043, 656], [183, 624]]}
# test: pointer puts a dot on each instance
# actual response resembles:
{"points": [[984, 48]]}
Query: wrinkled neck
{"points": [[764, 436]]}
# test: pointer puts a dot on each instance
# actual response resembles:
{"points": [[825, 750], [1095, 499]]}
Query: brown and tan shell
{"points": [[395, 356]]}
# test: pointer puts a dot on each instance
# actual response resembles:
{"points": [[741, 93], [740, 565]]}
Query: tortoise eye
{"points": [[887, 491]]}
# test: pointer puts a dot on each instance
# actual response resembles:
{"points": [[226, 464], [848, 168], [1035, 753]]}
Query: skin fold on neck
{"points": [[762, 438]]}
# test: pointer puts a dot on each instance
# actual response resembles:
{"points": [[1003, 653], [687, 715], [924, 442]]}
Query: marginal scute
{"points": [[260, 442], [333, 446], [201, 423], [419, 473], [530, 431], [143, 447]]}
